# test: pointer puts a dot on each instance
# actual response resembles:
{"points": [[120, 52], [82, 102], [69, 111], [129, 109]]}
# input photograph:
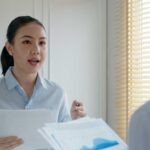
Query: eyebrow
{"points": [[28, 36]]}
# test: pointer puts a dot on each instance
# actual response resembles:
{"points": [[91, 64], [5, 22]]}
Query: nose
{"points": [[35, 49]]}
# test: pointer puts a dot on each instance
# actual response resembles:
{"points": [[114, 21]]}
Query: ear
{"points": [[9, 48]]}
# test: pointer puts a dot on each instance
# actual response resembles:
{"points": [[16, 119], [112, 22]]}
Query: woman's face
{"points": [[29, 48]]}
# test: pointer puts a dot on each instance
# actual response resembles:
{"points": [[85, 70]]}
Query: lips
{"points": [[33, 61]]}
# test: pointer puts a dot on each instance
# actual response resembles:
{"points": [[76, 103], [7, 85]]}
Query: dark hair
{"points": [[14, 26]]}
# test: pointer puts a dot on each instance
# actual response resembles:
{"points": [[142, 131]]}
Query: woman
{"points": [[22, 86]]}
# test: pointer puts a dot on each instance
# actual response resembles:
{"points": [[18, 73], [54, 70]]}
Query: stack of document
{"points": [[82, 134], [25, 125]]}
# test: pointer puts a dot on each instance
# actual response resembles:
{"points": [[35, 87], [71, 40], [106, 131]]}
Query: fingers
{"points": [[76, 105], [8, 143], [80, 113], [7, 139], [77, 110]]}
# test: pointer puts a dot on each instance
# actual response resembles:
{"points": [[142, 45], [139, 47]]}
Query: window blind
{"points": [[133, 66]]}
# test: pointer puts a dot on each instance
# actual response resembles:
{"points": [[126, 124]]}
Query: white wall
{"points": [[10, 9], [77, 46]]}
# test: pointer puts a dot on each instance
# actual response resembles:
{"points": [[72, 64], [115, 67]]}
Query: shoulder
{"points": [[53, 86], [52, 83], [142, 113], [144, 109]]}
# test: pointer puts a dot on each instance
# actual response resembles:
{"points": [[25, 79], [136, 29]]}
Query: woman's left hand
{"points": [[77, 110]]}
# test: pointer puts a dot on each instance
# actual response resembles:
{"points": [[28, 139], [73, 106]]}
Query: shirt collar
{"points": [[11, 81], [40, 81]]}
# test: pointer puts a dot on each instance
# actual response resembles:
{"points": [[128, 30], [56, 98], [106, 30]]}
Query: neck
{"points": [[26, 80]]}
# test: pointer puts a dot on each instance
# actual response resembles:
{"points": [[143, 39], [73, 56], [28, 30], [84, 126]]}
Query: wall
{"points": [[76, 31]]}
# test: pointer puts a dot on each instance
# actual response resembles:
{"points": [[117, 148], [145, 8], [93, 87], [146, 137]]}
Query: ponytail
{"points": [[6, 60]]}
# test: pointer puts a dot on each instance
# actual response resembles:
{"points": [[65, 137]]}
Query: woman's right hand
{"points": [[10, 142]]}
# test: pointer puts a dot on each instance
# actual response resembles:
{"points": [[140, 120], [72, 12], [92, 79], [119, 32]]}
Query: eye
{"points": [[42, 43], [26, 42]]}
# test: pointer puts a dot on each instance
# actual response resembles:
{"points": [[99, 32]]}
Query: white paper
{"points": [[25, 125], [73, 135]]}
